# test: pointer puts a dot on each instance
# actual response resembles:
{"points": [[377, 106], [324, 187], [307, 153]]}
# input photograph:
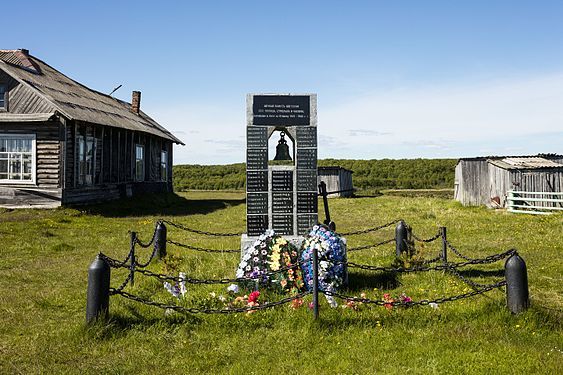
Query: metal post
{"points": [[315, 283], [160, 240], [322, 191], [133, 260], [401, 237], [97, 300], [517, 295], [444, 245]]}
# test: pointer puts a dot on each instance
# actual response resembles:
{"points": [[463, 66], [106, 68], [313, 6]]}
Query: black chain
{"points": [[143, 265], [122, 286], [471, 283], [145, 245], [434, 238], [183, 227], [459, 254], [416, 303], [194, 310], [440, 267], [433, 260], [370, 246], [202, 249], [370, 229]]}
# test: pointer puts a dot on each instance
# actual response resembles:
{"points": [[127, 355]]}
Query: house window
{"points": [[86, 160], [3, 97], [164, 165], [139, 163], [17, 158]]}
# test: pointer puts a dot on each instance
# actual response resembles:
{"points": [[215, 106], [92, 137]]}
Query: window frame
{"points": [[164, 165], [33, 138], [140, 162], [4, 107], [83, 140]]}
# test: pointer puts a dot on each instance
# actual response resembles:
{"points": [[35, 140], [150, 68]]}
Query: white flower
{"points": [[233, 288], [255, 259], [222, 298], [172, 290], [434, 305], [264, 252], [246, 256], [240, 273], [212, 294], [331, 301], [243, 264], [255, 252]]}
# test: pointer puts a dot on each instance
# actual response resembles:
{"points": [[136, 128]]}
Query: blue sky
{"points": [[401, 79]]}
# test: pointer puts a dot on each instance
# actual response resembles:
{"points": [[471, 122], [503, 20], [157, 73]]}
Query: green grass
{"points": [[44, 256]]}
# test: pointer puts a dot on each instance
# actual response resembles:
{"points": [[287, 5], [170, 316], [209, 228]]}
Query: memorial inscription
{"points": [[306, 158], [257, 137], [257, 203], [287, 110], [306, 180], [256, 181], [257, 159], [256, 224], [307, 136], [282, 180]]}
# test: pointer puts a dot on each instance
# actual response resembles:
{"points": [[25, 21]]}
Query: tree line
{"points": [[367, 174]]}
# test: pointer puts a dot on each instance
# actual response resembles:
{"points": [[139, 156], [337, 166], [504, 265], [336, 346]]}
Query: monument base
{"points": [[246, 241]]}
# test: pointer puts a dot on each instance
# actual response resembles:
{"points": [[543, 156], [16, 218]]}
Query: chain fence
{"points": [[202, 249], [368, 230], [427, 240], [205, 233]]}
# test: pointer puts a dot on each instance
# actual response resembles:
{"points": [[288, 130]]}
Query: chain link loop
{"points": [[202, 249], [374, 229], [431, 239], [183, 227], [371, 246]]}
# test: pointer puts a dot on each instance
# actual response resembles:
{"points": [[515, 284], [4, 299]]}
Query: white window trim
{"points": [[33, 159], [143, 163]]}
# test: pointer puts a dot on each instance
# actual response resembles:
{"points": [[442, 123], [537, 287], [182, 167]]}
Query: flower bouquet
{"points": [[271, 253], [331, 250]]}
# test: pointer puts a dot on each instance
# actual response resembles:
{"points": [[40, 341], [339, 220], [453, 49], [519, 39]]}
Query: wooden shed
{"points": [[336, 179], [486, 180], [63, 143]]}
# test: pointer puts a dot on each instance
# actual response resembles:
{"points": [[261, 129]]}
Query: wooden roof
{"points": [[73, 100]]}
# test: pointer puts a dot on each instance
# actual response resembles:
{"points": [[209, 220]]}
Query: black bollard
{"points": [[133, 259], [315, 283], [160, 240], [97, 302], [444, 245], [517, 295], [401, 238]]}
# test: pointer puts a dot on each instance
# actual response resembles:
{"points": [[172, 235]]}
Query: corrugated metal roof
{"points": [[525, 163], [497, 157], [76, 101]]}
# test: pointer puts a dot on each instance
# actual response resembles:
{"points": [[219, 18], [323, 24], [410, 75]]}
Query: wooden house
{"points": [[486, 180], [64, 143], [336, 179]]}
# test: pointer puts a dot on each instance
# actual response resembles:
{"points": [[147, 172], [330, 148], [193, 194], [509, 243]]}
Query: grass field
{"points": [[44, 256]]}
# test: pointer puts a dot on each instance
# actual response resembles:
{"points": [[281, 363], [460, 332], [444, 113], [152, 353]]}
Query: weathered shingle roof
{"points": [[74, 100], [525, 163]]}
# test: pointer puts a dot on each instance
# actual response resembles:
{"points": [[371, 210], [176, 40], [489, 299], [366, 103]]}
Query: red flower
{"points": [[253, 297]]}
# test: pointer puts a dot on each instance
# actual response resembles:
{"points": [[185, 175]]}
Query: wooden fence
{"points": [[536, 203]]}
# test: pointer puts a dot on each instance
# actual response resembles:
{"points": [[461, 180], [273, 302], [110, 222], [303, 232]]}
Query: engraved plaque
{"points": [[274, 110], [307, 136], [257, 203], [256, 137], [282, 202], [305, 222], [257, 158], [307, 203], [306, 158], [306, 180], [282, 180], [256, 224], [282, 224], [256, 180]]}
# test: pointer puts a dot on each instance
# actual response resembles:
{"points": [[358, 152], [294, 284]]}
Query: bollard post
{"points": [[401, 237], [444, 245], [517, 294], [133, 260], [97, 299], [315, 283], [160, 240]]}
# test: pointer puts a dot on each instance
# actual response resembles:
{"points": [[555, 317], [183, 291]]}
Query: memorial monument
{"points": [[281, 197]]}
